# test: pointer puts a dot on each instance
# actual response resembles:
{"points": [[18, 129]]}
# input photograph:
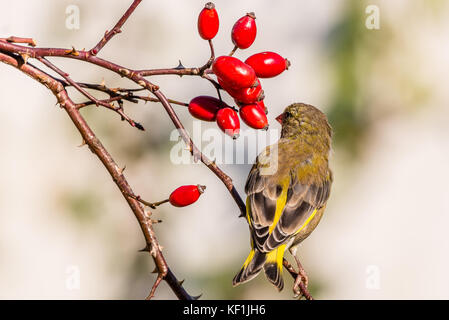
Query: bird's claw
{"points": [[301, 279]]}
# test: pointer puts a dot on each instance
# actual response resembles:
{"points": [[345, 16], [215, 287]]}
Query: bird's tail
{"points": [[271, 263], [273, 267], [251, 268]]}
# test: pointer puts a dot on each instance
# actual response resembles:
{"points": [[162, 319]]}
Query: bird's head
{"points": [[300, 118]]}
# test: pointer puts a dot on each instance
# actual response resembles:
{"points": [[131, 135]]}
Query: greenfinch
{"points": [[287, 190]]}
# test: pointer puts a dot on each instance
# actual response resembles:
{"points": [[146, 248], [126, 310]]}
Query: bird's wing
{"points": [[279, 210], [261, 205], [302, 203]]}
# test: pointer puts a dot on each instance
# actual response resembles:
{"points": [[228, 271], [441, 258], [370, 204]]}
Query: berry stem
{"points": [[152, 205], [156, 204], [211, 59], [215, 84], [233, 51]]}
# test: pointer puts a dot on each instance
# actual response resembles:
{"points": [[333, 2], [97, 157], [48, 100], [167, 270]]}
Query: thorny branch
{"points": [[17, 56], [114, 170], [105, 103]]}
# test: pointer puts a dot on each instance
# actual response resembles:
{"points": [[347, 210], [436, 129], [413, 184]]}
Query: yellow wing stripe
{"points": [[248, 210], [307, 221], [280, 205]]}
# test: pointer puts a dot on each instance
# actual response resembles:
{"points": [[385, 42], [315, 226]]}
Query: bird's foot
{"points": [[301, 283]]}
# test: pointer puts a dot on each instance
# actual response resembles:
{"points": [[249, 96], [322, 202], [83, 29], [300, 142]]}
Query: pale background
{"points": [[384, 234]]}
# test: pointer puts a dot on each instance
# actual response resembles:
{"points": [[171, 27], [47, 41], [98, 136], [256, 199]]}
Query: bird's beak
{"points": [[279, 118]]}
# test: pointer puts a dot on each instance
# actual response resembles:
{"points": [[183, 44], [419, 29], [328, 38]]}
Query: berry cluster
{"points": [[241, 80]]}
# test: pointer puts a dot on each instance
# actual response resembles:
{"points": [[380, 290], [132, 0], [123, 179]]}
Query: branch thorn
{"points": [[83, 143], [180, 66], [122, 169], [145, 249], [25, 57], [197, 297], [72, 52]]}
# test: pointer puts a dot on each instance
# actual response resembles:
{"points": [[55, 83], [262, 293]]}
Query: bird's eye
{"points": [[287, 114]]}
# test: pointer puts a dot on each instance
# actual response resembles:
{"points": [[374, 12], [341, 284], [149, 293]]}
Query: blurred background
{"points": [[67, 233]]}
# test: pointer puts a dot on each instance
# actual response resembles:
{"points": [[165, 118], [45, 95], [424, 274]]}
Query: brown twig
{"points": [[126, 94], [150, 99], [211, 59], [155, 285], [152, 205], [109, 34], [180, 70], [105, 103], [82, 55], [214, 83], [13, 39]]}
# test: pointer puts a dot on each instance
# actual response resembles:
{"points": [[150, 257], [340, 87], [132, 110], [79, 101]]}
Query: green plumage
{"points": [[287, 189]]}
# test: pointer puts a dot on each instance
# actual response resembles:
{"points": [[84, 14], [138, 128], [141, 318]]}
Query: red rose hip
{"points": [[245, 95], [186, 195], [254, 116], [233, 72], [228, 121], [205, 107], [244, 31], [267, 64], [262, 106], [208, 22]]}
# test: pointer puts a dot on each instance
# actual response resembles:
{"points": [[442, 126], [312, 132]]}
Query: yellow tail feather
{"points": [[272, 263], [273, 266], [277, 256]]}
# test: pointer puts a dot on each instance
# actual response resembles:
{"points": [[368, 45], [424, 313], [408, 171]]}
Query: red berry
{"points": [[244, 31], [186, 195], [267, 64], [262, 106], [208, 22], [228, 121], [233, 72], [205, 107], [254, 116], [245, 95]]}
